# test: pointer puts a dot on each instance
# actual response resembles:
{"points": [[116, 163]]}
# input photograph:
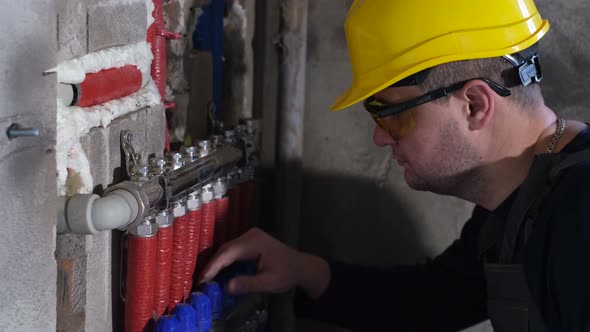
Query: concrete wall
{"points": [[59, 283], [357, 207], [27, 167]]}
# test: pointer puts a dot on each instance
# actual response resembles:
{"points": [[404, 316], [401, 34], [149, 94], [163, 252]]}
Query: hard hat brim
{"points": [[360, 91]]}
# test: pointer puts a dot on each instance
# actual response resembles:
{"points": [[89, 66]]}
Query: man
{"points": [[457, 100]]}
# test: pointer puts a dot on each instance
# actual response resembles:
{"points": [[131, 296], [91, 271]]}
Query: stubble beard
{"points": [[455, 170]]}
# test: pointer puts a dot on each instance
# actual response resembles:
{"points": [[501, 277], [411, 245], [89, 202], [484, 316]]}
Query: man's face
{"points": [[435, 151]]}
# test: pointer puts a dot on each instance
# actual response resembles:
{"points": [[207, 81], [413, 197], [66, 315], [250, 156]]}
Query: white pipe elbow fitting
{"points": [[116, 210], [90, 214]]}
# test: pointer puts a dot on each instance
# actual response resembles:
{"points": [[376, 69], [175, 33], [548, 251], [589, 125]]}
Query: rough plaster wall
{"points": [[238, 60], [27, 167], [565, 58], [180, 19], [88, 266], [357, 207]]}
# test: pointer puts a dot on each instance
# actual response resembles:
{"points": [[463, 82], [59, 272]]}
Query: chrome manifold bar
{"points": [[153, 187]]}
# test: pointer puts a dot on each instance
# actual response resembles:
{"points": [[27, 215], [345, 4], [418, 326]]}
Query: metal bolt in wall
{"points": [[15, 131]]}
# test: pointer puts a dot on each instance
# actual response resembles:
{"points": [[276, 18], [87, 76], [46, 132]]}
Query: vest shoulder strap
{"points": [[542, 178]]}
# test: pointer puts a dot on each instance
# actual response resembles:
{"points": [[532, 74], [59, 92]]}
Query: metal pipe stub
{"points": [[148, 227]]}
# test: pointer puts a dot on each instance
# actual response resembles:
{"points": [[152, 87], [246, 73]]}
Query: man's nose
{"points": [[381, 137]]}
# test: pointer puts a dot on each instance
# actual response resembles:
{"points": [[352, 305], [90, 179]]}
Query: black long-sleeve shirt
{"points": [[449, 293]]}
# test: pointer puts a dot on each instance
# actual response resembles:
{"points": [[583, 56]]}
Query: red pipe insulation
{"points": [[195, 216], [108, 84], [139, 293], [221, 211], [158, 44], [247, 192], [179, 251], [207, 227], [221, 219], [165, 240]]}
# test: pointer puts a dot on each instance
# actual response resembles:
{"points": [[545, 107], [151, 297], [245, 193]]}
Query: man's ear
{"points": [[480, 100]]}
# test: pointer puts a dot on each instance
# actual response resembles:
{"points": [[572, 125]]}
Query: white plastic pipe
{"points": [[90, 214], [116, 210]]}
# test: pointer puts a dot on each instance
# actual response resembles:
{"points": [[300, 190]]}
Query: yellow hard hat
{"points": [[389, 40]]}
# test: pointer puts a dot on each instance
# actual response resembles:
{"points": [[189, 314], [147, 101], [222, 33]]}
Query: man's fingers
{"points": [[229, 253], [249, 284]]}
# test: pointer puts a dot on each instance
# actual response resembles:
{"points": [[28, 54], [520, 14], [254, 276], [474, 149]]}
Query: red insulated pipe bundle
{"points": [[179, 251], [195, 216], [139, 293], [247, 191], [234, 212], [165, 240], [108, 84], [207, 227]]}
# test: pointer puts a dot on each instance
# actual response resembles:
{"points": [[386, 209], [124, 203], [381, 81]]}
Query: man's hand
{"points": [[280, 267]]}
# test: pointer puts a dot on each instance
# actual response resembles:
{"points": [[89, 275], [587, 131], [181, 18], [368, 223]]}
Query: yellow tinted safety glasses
{"points": [[398, 120]]}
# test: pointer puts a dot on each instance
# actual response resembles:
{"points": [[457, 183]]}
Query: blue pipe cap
{"points": [[215, 294], [187, 317], [169, 323], [202, 305]]}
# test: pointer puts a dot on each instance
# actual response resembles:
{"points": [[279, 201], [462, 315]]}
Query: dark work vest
{"points": [[510, 305]]}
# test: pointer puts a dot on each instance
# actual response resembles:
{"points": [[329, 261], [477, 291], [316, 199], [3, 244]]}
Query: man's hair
{"points": [[496, 69]]}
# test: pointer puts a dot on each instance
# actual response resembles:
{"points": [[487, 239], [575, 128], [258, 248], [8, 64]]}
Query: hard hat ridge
{"points": [[390, 40]]}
